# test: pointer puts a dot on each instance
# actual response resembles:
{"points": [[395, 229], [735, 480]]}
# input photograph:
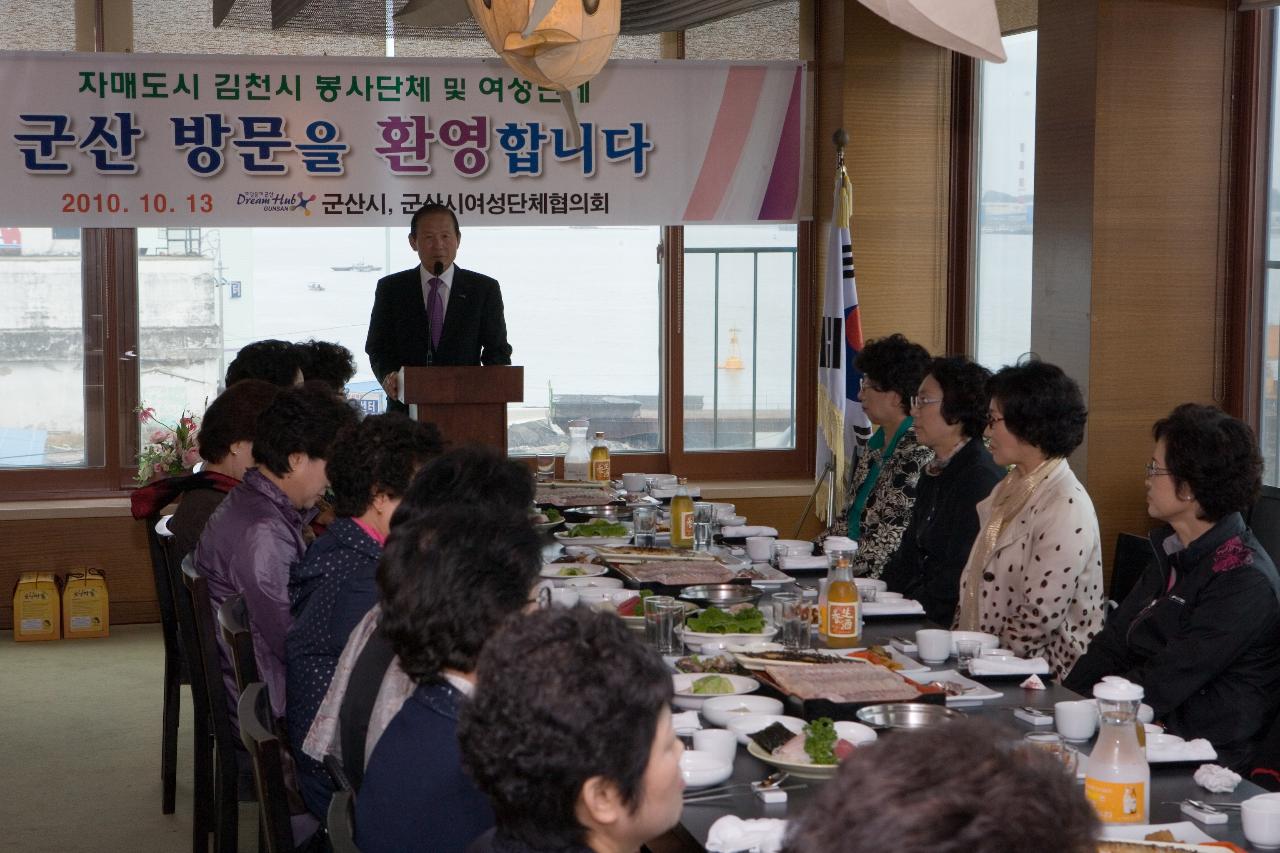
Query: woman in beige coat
{"points": [[1034, 576]]}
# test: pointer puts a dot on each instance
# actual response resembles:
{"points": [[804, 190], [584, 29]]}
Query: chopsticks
{"points": [[733, 790]]}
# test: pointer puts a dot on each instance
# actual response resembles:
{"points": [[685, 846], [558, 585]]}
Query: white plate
{"points": [[1185, 830], [586, 570], [565, 539], [905, 607], [696, 639], [911, 667], [981, 694], [855, 733], [749, 724], [590, 581], [689, 701]]}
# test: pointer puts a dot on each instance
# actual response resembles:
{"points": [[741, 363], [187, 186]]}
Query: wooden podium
{"points": [[468, 404]]}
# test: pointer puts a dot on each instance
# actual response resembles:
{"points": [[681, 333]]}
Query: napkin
{"points": [[731, 834], [1033, 683], [1217, 779], [1191, 750], [685, 722], [985, 665], [665, 492], [742, 532], [903, 607], [802, 562]]}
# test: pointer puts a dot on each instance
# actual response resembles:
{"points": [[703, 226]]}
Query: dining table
{"points": [[1170, 784]]}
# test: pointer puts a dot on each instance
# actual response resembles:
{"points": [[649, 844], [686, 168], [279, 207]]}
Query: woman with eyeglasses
{"points": [[949, 415], [1034, 575], [1201, 629], [882, 483]]}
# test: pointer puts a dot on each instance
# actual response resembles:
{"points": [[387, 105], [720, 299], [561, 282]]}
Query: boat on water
{"points": [[357, 267], [315, 285]]}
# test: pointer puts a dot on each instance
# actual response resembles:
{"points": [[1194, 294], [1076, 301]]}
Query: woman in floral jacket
{"points": [[1201, 630], [882, 485]]}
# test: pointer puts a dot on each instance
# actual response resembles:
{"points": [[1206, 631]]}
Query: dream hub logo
{"points": [[276, 202]]}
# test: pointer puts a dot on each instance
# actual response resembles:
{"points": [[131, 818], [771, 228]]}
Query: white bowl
{"points": [[702, 642], [1260, 817], [793, 547], [987, 641], [687, 700], [749, 724], [596, 583], [870, 583], [701, 769], [733, 520], [722, 710], [856, 733], [603, 598], [755, 648]]}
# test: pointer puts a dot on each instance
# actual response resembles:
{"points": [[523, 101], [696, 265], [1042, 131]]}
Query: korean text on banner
{"points": [[128, 140], [840, 416]]}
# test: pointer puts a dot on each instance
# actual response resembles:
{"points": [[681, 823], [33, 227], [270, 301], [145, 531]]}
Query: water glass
{"points": [[546, 470], [1053, 745], [792, 616], [704, 515], [645, 522], [966, 651], [668, 617], [651, 616]]}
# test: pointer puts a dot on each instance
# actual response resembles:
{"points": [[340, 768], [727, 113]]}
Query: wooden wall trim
{"points": [[962, 204]]}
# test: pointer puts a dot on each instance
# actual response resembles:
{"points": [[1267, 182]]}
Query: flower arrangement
{"points": [[168, 450]]}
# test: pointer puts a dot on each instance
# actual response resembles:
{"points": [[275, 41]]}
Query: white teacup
{"points": [[1076, 720], [759, 548], [565, 596], [633, 482], [1261, 818], [721, 743], [933, 644]]}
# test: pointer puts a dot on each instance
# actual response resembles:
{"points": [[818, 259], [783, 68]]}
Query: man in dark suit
{"points": [[435, 313]]}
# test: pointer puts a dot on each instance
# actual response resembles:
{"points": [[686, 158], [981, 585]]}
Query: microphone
{"points": [[437, 269]]}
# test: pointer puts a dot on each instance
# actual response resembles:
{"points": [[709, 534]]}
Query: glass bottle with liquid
{"points": [[600, 460], [682, 516], [1118, 781], [844, 606], [577, 462]]}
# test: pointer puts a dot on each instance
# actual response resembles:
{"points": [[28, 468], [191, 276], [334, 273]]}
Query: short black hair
{"points": [[1214, 455], [469, 476], [447, 579], [328, 362], [964, 392], [562, 695], [1041, 405], [428, 209], [305, 419], [274, 361], [233, 416], [894, 364], [958, 788], [378, 455]]}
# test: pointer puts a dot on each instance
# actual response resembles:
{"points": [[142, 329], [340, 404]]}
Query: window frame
{"points": [[109, 276]]}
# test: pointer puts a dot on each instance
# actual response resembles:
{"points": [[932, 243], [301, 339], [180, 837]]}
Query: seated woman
{"points": [[953, 788], [1034, 576], [570, 736], [225, 441], [1201, 629], [333, 587], [882, 484], [949, 415], [448, 579]]}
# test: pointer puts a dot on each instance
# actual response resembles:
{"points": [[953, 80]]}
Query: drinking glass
{"points": [[1053, 745], [668, 617], [546, 471], [645, 521], [792, 616], [966, 651], [651, 616], [703, 517]]}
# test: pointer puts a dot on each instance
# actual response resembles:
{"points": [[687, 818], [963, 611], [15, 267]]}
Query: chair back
{"points": [[233, 621], [1264, 521], [158, 537], [267, 755], [342, 825], [1133, 555]]}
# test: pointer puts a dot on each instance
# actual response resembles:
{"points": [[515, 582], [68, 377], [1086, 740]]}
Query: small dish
{"points": [[702, 769], [723, 710], [687, 700], [565, 571], [591, 581]]}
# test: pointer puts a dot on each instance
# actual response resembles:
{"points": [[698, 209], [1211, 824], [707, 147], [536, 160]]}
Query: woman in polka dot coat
{"points": [[1034, 576]]}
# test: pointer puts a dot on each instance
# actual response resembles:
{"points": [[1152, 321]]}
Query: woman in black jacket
{"points": [[950, 413], [1201, 630]]}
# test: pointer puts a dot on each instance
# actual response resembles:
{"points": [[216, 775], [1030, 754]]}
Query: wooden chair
{"points": [[341, 820], [233, 621], [266, 751], [176, 671], [204, 646]]}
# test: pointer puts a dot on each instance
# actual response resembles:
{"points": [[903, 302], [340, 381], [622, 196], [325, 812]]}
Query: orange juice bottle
{"points": [[682, 517], [844, 607]]}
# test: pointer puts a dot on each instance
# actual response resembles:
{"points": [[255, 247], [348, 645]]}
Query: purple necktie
{"points": [[435, 311]]}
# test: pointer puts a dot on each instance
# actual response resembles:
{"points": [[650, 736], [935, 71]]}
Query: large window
{"points": [[1006, 202], [1269, 396]]}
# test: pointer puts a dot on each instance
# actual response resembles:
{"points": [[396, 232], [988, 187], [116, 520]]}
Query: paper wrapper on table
{"points": [[838, 691], [37, 607], [981, 666], [731, 834], [85, 605]]}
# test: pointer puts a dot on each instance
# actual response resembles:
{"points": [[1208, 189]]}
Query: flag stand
{"points": [[827, 476]]}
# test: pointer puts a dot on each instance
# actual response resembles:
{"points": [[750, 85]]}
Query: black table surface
{"points": [[1169, 783]]}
